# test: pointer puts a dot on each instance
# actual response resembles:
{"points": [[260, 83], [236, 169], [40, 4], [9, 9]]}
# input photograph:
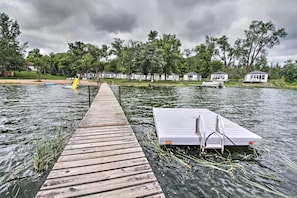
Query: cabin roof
{"points": [[257, 72], [191, 73], [219, 72]]}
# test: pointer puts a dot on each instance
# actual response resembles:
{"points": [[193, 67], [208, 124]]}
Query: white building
{"points": [[107, 75], [173, 77], [121, 76], [138, 76], [219, 76], [256, 76], [192, 76]]}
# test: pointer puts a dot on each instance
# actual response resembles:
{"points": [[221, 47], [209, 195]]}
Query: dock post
{"points": [[120, 95], [89, 91]]}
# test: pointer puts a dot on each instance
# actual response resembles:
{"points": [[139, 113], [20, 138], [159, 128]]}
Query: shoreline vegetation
{"points": [[29, 78], [278, 84]]}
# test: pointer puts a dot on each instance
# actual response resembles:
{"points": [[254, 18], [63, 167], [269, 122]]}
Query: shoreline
{"points": [[142, 83], [42, 82]]}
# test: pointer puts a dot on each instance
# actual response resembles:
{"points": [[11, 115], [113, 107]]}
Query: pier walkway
{"points": [[103, 157]]}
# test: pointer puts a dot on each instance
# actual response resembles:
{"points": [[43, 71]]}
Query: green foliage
{"points": [[11, 57], [171, 53], [205, 58], [149, 58], [39, 61], [157, 55], [260, 37], [289, 71], [32, 75]]}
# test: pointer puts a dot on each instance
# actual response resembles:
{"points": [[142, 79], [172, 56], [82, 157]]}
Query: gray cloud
{"points": [[50, 25], [114, 21]]}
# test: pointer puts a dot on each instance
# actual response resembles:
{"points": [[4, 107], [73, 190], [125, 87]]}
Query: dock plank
{"points": [[97, 187], [136, 191], [108, 147], [102, 158], [95, 177], [96, 168], [100, 154]]}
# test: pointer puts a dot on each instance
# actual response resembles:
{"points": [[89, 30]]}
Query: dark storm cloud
{"points": [[212, 21], [51, 24], [114, 21], [44, 13]]}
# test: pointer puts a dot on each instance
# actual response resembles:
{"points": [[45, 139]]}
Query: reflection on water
{"points": [[271, 113], [29, 110]]}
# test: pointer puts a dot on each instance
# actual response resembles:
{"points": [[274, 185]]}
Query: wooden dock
{"points": [[103, 157]]}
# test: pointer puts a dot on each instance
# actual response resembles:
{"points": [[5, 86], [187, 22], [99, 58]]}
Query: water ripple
{"points": [[271, 113]]}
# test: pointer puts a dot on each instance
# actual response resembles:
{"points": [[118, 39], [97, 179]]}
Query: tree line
{"points": [[158, 54]]}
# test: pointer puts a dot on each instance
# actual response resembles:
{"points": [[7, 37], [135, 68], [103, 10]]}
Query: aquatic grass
{"points": [[47, 151], [290, 163], [12, 178], [257, 185], [16, 190], [215, 161]]}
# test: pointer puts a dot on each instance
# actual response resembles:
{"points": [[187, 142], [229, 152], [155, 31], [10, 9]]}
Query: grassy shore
{"points": [[27, 77], [30, 78], [231, 83]]}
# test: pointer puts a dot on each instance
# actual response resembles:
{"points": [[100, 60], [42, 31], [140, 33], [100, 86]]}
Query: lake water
{"points": [[271, 113], [28, 111]]}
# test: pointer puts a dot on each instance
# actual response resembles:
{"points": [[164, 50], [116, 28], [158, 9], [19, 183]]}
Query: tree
{"points": [[152, 36], [150, 59], [275, 71], [38, 60], [171, 50], [225, 52], [62, 62], [289, 71], [11, 50], [76, 52], [260, 37], [204, 58], [92, 59], [105, 53]]}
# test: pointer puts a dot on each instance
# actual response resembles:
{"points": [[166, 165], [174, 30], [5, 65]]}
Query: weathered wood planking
{"points": [[103, 157]]}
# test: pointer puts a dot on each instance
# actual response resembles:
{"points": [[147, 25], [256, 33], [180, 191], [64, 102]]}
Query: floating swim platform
{"points": [[178, 126]]}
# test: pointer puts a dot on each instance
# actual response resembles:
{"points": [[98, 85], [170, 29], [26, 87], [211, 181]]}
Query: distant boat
{"points": [[213, 84], [49, 84]]}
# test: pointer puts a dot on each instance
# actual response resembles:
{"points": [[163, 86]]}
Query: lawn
{"points": [[33, 75]]}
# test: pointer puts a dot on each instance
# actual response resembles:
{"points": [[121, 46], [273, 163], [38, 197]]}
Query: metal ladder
{"points": [[219, 131]]}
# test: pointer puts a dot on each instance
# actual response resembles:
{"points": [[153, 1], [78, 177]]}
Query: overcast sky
{"points": [[51, 24]]}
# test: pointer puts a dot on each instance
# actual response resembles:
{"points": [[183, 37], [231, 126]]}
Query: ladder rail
{"points": [[201, 131]]}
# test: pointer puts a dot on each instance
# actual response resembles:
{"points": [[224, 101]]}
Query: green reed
{"points": [[47, 151]]}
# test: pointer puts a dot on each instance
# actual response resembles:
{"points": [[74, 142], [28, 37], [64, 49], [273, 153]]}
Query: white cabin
{"points": [[192, 76], [256, 76], [219, 76], [173, 77], [138, 76], [121, 76]]}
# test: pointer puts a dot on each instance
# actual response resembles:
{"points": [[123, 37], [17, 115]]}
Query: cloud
{"points": [[113, 21], [50, 25]]}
